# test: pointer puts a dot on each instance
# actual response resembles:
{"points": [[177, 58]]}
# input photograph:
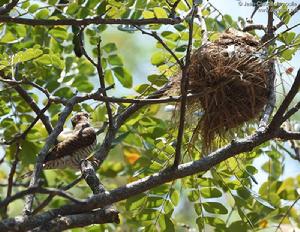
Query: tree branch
{"points": [[288, 135], [51, 196], [155, 36], [11, 178], [183, 88], [100, 73], [34, 107], [24, 134], [88, 21], [292, 13], [269, 35], [279, 118], [142, 185], [100, 216], [38, 189], [8, 7]]}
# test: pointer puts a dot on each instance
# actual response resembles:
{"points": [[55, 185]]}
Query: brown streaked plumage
{"points": [[77, 146]]}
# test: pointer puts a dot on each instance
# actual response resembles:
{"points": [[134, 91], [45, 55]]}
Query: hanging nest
{"points": [[229, 77]]}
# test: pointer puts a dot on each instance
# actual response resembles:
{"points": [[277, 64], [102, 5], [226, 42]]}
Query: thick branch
{"points": [[88, 21], [144, 184], [100, 216], [269, 35], [48, 144], [268, 110], [89, 174]]}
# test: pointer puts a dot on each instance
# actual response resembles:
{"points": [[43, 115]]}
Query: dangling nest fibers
{"points": [[229, 78]]}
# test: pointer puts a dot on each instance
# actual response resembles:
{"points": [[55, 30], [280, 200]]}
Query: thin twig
{"points": [[99, 69], [155, 36], [203, 26], [279, 117], [24, 134], [103, 86], [51, 196], [41, 190], [173, 9], [292, 13], [11, 177], [286, 214], [183, 88]]}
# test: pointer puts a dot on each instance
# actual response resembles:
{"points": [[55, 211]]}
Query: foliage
{"points": [[248, 192]]}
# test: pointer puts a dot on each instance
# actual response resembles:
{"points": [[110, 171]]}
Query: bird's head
{"points": [[81, 117]]}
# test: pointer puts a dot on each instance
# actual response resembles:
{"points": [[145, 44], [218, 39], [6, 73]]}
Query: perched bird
{"points": [[77, 145]]}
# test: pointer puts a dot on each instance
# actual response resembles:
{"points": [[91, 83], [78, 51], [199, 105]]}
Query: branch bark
{"points": [[84, 22], [144, 184], [8, 7], [100, 216]]}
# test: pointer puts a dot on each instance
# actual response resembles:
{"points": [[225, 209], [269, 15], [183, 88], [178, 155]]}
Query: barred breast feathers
{"points": [[80, 144]]}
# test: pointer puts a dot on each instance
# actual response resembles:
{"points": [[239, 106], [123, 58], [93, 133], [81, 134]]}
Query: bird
{"points": [[75, 146]]}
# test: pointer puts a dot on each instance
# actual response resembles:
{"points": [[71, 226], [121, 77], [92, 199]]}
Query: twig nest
{"points": [[229, 77]]}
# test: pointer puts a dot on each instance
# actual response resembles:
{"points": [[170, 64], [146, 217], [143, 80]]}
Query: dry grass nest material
{"points": [[229, 77]]}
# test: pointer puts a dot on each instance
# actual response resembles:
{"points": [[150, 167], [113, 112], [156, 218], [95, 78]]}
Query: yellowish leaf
{"points": [[131, 155]]}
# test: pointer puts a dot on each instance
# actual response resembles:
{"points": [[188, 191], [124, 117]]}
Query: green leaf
{"points": [[140, 4], [158, 58], [42, 14], [108, 76], [160, 12], [165, 223], [243, 192], [158, 80], [26, 55], [154, 202], [52, 59], [210, 192], [115, 60], [148, 214], [200, 223], [82, 84], [110, 47], [238, 226], [214, 207], [198, 208], [64, 92], [194, 195], [59, 33], [4, 109], [148, 14], [174, 195], [215, 221], [33, 8], [123, 76], [135, 202]]}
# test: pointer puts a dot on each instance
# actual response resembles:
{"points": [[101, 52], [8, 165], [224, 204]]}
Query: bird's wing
{"points": [[78, 139]]}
